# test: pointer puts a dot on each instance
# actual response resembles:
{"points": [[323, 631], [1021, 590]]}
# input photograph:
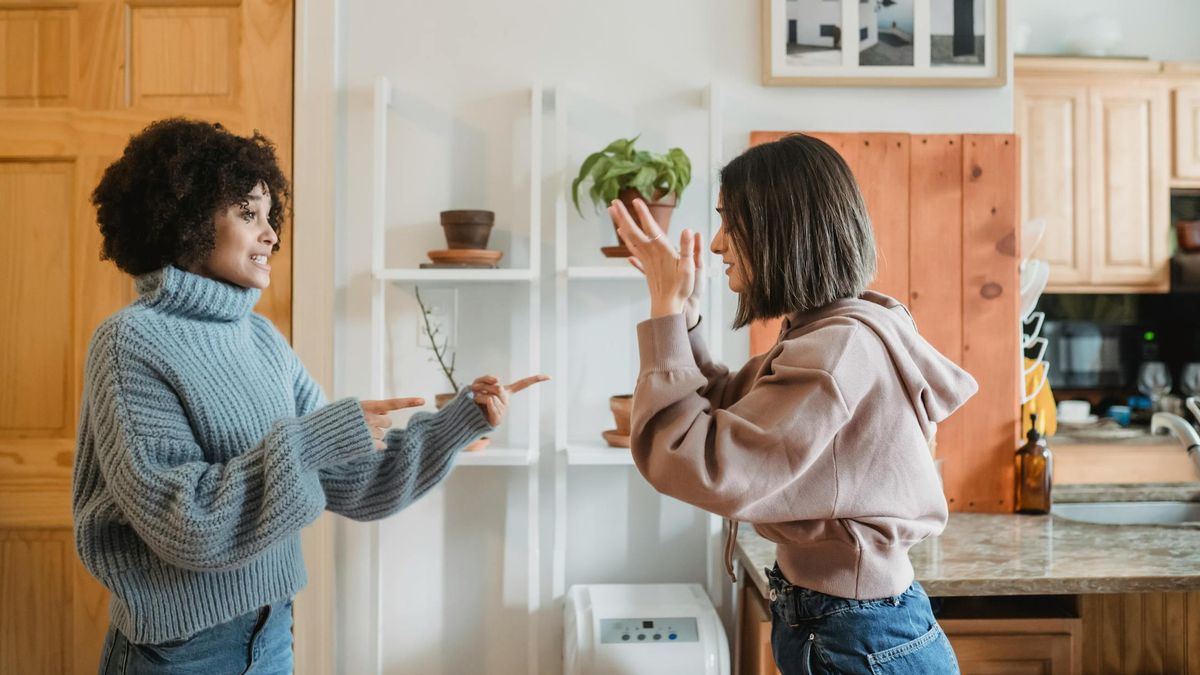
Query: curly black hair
{"points": [[155, 205]]}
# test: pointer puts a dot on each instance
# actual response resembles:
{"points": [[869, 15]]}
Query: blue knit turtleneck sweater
{"points": [[204, 447]]}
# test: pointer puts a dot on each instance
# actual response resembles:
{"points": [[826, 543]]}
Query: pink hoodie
{"points": [[822, 443]]}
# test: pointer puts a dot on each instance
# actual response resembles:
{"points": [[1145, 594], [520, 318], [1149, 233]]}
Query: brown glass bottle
{"points": [[1034, 467]]}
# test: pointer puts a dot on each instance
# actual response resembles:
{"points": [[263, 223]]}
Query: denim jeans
{"points": [[816, 633], [257, 643]]}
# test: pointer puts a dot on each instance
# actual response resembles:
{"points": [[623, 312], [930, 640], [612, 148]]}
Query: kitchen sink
{"points": [[1130, 513]]}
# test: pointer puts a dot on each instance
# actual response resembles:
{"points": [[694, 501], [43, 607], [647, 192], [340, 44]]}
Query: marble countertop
{"points": [[1009, 554], [1127, 492]]}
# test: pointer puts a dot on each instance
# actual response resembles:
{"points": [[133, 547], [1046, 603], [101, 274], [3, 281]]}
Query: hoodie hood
{"points": [[935, 385]]}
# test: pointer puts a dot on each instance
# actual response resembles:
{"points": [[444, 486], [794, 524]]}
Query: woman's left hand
{"points": [[492, 397], [670, 276]]}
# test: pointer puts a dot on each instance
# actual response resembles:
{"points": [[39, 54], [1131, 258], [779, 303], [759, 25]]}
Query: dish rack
{"points": [[1035, 370]]}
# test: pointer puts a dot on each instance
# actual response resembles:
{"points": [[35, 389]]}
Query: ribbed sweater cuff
{"points": [[334, 434], [664, 345]]}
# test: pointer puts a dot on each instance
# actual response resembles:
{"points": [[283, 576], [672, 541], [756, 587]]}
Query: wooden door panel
{"points": [[1129, 190], [1054, 168], [76, 81], [1187, 133], [36, 52], [35, 291]]}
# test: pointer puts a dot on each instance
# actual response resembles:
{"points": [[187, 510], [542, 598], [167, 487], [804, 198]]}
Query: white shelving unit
{"points": [[383, 278], [571, 451]]}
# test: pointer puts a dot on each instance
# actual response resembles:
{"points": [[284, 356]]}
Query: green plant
{"points": [[439, 352], [620, 166]]}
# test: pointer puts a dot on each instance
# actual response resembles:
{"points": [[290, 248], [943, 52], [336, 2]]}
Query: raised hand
{"points": [[376, 413], [670, 277], [492, 397]]}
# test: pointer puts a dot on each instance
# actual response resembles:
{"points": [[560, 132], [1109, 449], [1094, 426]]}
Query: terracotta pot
{"points": [[467, 228], [661, 209], [622, 407], [440, 400], [1189, 234]]}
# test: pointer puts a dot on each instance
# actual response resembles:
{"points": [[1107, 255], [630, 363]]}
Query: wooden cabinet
{"points": [[1095, 160], [1187, 133], [752, 644], [1052, 120], [1049, 646]]}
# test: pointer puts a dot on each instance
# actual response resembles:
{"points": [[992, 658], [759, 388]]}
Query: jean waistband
{"points": [[798, 603]]}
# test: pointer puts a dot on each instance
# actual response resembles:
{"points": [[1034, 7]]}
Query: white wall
{"points": [[453, 597], [1164, 30]]}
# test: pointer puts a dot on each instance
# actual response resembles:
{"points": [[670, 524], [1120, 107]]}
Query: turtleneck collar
{"points": [[174, 291]]}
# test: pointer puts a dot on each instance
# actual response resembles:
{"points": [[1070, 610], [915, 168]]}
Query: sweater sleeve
{"points": [[195, 514], [716, 375], [417, 458], [764, 458]]}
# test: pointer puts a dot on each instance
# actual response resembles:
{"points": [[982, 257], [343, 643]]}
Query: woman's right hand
{"points": [[376, 413], [691, 306]]}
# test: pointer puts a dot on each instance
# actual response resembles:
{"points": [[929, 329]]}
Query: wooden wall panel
{"points": [[936, 264], [991, 306], [957, 270], [1150, 633]]}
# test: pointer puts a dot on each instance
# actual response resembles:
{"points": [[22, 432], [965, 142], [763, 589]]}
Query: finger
{"points": [[389, 404], [526, 382], [487, 379], [685, 246], [627, 227], [637, 264], [648, 223], [487, 390], [495, 414], [382, 421], [698, 251], [380, 445]]}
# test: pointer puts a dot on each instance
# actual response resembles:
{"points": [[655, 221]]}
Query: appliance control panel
{"points": [[648, 631]]}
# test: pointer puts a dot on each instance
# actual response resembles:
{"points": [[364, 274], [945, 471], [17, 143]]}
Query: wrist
{"points": [[665, 308]]}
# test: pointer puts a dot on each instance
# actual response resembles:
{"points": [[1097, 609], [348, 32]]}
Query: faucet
{"points": [[1179, 428]]}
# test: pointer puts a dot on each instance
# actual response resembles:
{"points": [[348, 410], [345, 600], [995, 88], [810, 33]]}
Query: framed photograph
{"points": [[897, 43]]}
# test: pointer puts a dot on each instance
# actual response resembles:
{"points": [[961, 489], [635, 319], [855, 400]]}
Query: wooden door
{"points": [[1034, 646], [1187, 133], [1130, 192], [77, 79], [1051, 118]]}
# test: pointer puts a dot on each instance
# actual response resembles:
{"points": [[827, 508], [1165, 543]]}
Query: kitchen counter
{"points": [[1009, 554], [1127, 492]]}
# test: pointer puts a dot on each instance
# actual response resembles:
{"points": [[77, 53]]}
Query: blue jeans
{"points": [[816, 633], [257, 642]]}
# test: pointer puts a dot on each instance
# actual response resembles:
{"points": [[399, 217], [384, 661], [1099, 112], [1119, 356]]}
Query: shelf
{"points": [[461, 275], [580, 453], [496, 456], [625, 271]]}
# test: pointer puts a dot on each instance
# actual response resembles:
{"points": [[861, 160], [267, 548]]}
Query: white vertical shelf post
{"points": [[532, 503], [382, 101], [561, 261], [715, 551]]}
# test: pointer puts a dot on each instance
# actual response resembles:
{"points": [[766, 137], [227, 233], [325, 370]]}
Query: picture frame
{"points": [[901, 43]]}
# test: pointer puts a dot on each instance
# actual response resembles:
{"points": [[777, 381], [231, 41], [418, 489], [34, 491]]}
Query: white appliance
{"points": [[636, 629]]}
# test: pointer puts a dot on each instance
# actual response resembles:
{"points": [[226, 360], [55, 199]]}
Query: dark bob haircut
{"points": [[797, 220], [156, 204]]}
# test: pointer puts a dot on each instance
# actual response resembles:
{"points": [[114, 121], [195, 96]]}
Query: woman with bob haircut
{"points": [[822, 443], [204, 446]]}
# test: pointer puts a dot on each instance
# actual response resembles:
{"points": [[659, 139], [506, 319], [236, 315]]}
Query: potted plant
{"points": [[623, 172], [622, 409], [439, 354]]}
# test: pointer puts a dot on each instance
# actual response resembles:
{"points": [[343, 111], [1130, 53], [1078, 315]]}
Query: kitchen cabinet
{"points": [[1185, 96], [1050, 646], [1095, 163]]}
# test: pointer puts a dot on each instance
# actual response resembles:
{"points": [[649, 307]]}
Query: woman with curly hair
{"points": [[204, 446]]}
